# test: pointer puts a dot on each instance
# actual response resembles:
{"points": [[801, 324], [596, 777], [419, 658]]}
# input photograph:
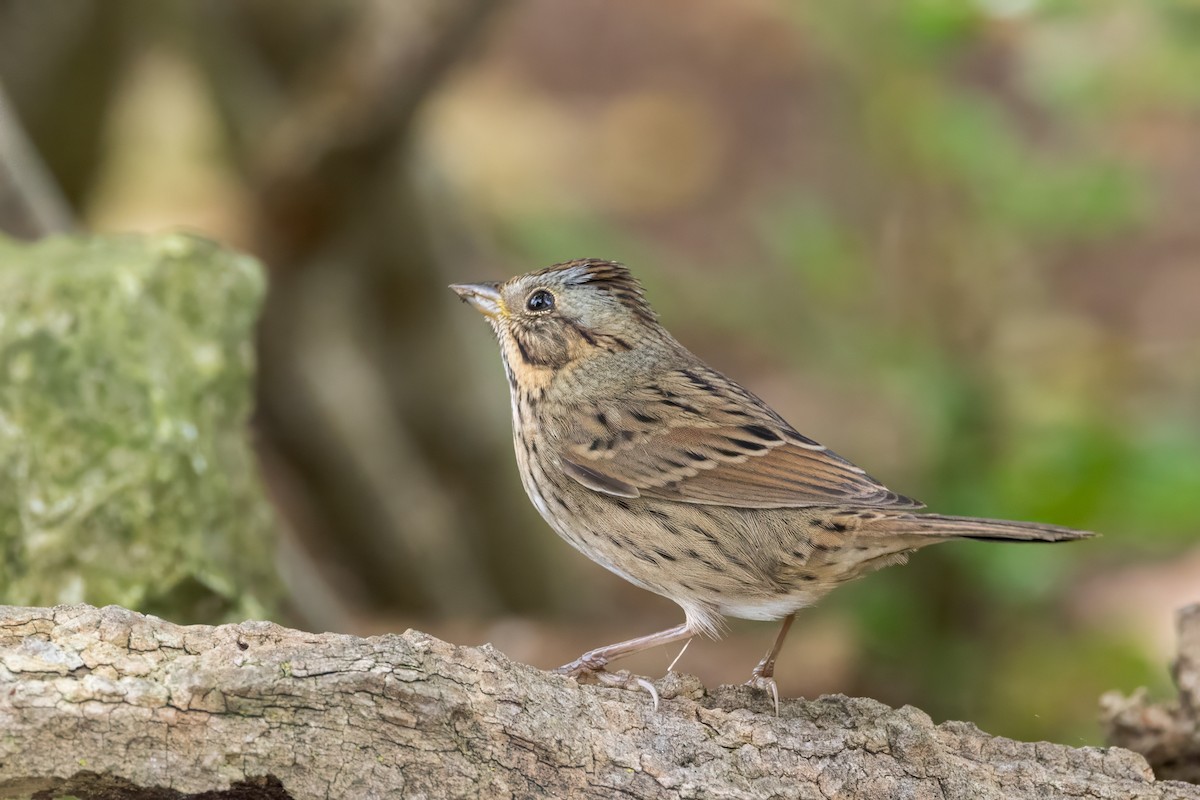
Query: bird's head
{"points": [[564, 314]]}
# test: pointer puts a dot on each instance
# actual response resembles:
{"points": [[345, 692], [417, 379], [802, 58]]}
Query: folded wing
{"points": [[695, 436]]}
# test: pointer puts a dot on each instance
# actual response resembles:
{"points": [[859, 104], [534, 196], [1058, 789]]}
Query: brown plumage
{"points": [[676, 478]]}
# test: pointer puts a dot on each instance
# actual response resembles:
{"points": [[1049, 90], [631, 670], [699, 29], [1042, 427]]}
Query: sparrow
{"points": [[678, 479]]}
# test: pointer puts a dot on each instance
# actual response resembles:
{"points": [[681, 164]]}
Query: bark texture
{"points": [[111, 703]]}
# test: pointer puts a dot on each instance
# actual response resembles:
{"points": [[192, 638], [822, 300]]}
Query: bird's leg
{"points": [[598, 659], [763, 676], [590, 666]]}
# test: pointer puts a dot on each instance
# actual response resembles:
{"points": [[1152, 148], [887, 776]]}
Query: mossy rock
{"points": [[126, 476]]}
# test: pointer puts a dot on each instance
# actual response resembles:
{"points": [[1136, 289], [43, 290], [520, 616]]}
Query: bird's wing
{"points": [[694, 436]]}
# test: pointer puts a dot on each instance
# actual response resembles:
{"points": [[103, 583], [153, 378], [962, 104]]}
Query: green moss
{"points": [[125, 387]]}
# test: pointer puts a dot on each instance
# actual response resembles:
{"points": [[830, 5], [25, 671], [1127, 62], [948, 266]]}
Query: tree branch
{"points": [[1168, 734], [30, 202], [109, 702]]}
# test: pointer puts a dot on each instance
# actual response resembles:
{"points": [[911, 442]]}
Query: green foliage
{"points": [[125, 474]]}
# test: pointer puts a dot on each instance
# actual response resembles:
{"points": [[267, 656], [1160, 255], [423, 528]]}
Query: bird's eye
{"points": [[541, 300]]}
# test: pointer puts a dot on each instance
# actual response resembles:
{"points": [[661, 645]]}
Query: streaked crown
{"points": [[552, 317]]}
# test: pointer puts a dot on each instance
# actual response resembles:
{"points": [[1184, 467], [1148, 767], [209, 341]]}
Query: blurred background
{"points": [[956, 241]]}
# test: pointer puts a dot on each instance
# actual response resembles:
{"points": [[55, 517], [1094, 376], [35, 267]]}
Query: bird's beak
{"points": [[484, 296]]}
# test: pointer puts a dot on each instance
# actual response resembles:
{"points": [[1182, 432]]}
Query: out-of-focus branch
{"points": [[349, 108], [1167, 734], [320, 131], [31, 205]]}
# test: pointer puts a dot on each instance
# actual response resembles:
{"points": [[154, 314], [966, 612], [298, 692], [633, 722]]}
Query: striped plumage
{"points": [[676, 478]]}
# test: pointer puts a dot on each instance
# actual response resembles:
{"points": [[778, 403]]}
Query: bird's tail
{"points": [[940, 526]]}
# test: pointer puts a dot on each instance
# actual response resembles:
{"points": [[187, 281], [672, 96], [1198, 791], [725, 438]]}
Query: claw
{"points": [[649, 687], [766, 684], [624, 680], [583, 672]]}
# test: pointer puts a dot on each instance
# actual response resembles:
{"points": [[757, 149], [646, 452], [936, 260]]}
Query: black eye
{"points": [[541, 300]]}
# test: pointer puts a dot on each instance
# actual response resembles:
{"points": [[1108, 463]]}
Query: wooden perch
{"points": [[111, 703]]}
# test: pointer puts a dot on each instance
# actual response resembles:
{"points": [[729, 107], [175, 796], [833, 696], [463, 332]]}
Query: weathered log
{"points": [[111, 703]]}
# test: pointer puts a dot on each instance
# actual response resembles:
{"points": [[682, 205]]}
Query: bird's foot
{"points": [[767, 684], [585, 670]]}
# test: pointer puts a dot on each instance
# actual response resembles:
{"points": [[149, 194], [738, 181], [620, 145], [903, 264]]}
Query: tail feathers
{"points": [[985, 529]]}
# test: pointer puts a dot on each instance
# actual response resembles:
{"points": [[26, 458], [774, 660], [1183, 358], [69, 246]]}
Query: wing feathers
{"points": [[598, 481], [697, 437]]}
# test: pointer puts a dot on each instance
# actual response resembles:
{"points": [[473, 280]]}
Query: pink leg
{"points": [[763, 675], [766, 667], [598, 659], [590, 666]]}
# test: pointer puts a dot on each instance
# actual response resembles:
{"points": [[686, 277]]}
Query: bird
{"points": [[679, 480]]}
